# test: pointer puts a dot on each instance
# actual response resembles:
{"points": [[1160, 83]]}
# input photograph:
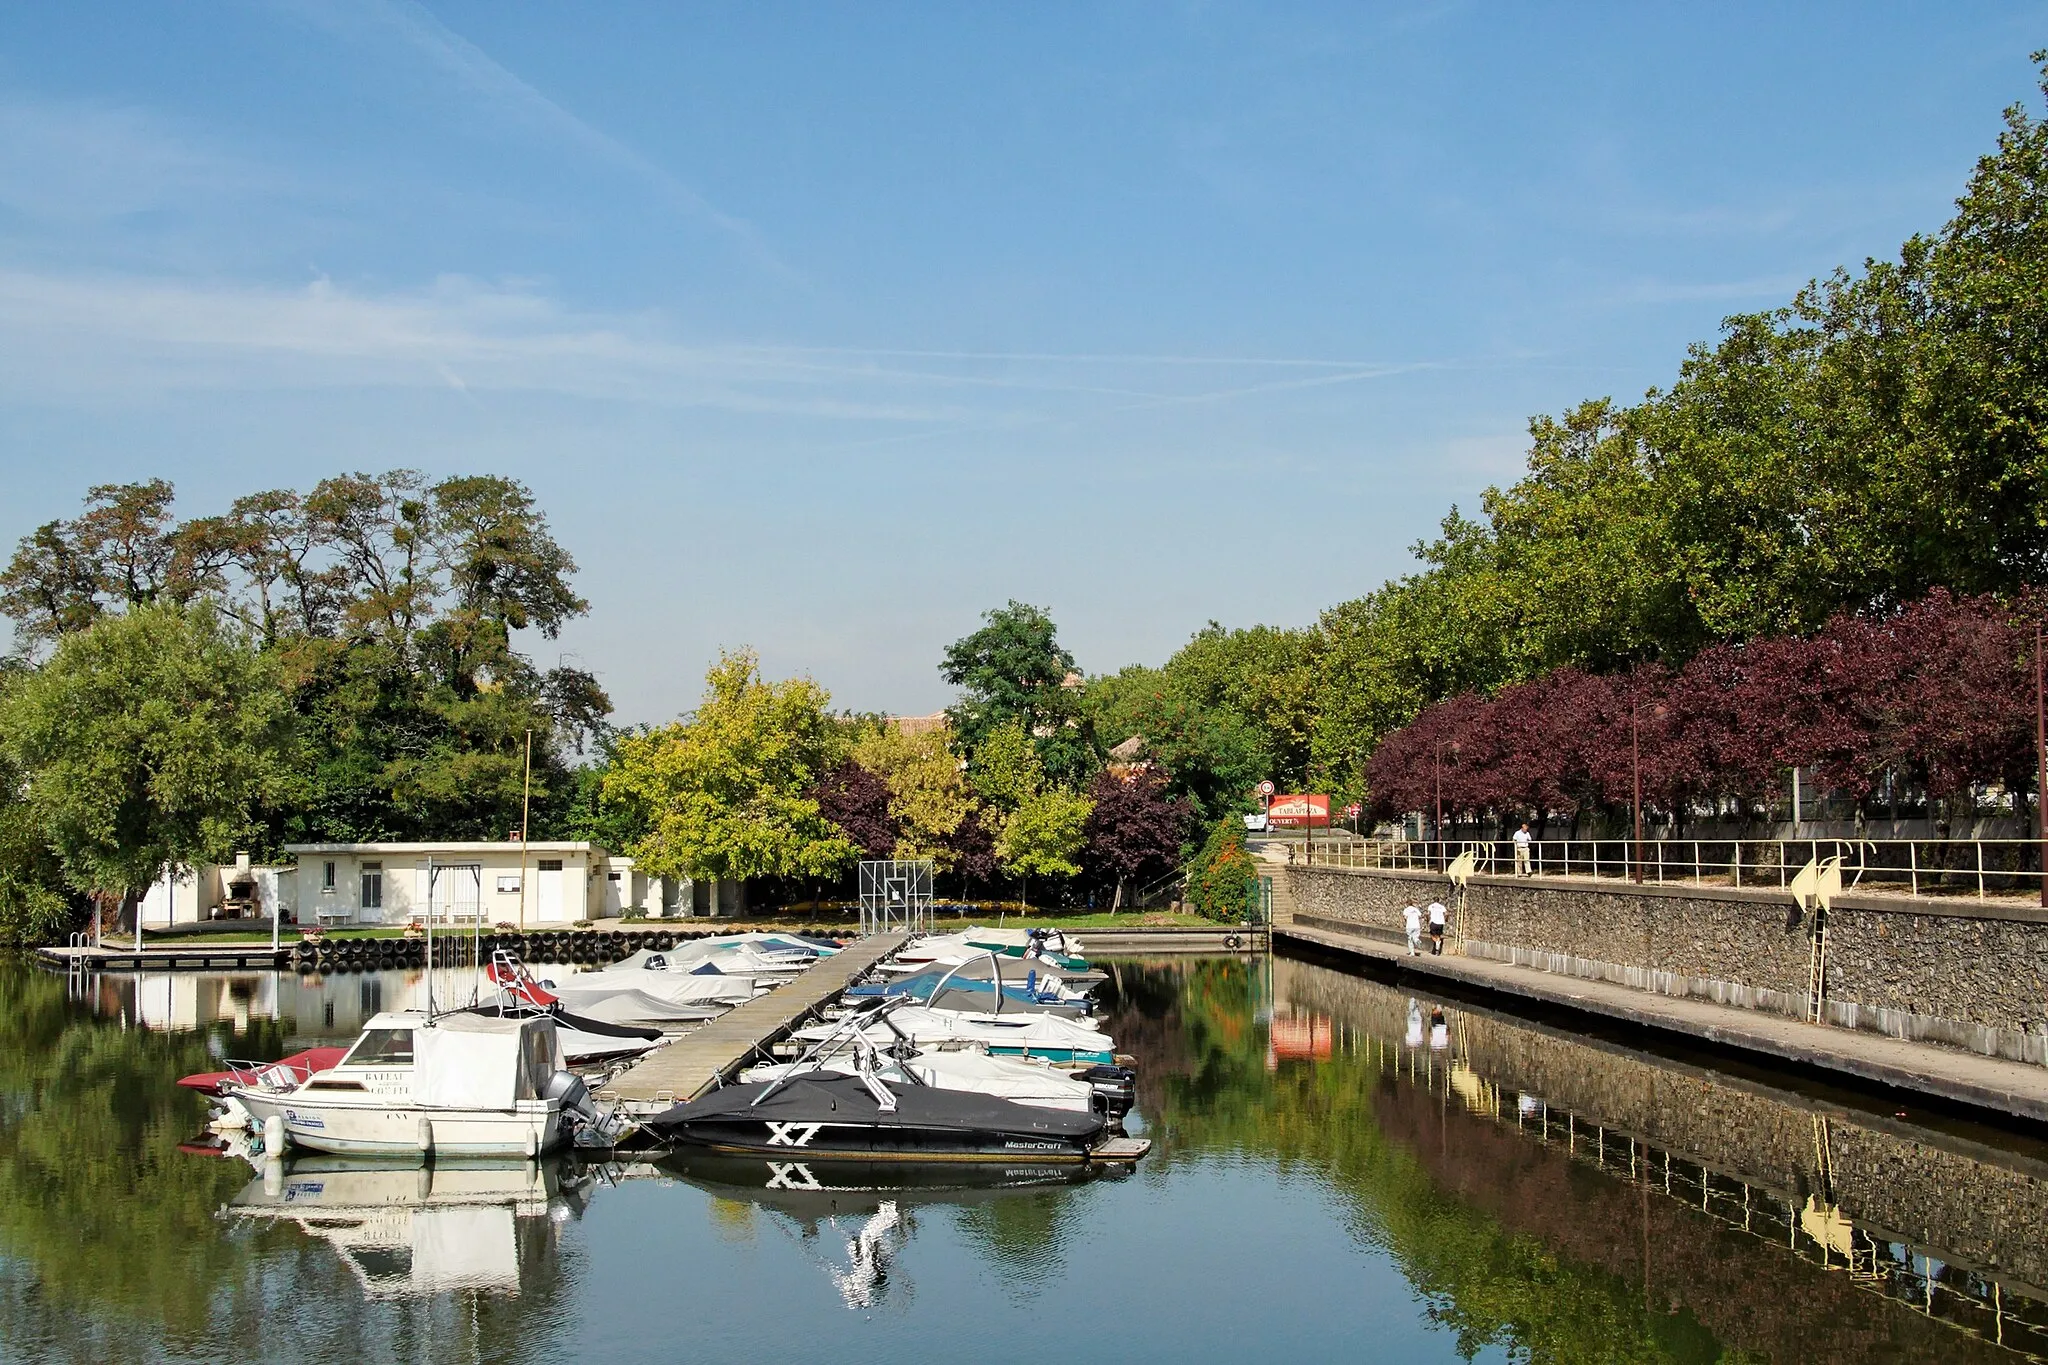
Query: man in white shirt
{"points": [[1412, 919], [1436, 928], [1522, 850]]}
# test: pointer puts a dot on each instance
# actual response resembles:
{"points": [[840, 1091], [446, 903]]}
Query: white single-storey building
{"points": [[540, 883], [537, 884]]}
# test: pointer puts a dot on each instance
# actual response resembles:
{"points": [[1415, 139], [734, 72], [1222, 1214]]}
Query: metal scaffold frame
{"points": [[896, 893]]}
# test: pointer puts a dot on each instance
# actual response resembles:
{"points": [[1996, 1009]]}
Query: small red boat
{"points": [[284, 1071]]}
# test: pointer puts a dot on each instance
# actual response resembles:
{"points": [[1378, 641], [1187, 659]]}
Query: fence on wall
{"points": [[1979, 868]]}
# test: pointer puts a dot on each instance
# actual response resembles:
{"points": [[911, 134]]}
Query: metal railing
{"points": [[1979, 868]]}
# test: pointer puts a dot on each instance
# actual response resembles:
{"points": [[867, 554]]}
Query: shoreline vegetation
{"points": [[351, 662]]}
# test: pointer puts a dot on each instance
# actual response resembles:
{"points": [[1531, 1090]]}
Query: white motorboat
{"points": [[1044, 1036], [964, 1068], [457, 1084]]}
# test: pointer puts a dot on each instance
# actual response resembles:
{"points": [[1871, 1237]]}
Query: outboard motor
{"points": [[1115, 1088], [568, 1088]]}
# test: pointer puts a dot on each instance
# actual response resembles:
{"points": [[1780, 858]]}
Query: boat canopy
{"points": [[473, 1061]]}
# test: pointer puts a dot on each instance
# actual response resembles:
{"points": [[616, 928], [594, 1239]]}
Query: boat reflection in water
{"points": [[416, 1230], [853, 1218]]}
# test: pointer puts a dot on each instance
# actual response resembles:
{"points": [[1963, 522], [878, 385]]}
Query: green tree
{"points": [[1222, 877], [147, 740], [1013, 671], [928, 795], [1005, 769], [722, 794], [1044, 836], [34, 906]]}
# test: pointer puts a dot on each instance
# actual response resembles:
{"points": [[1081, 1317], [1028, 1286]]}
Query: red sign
{"points": [[1265, 788], [1299, 812]]}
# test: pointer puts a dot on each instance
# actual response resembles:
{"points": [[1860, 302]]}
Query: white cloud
{"points": [[108, 338]]}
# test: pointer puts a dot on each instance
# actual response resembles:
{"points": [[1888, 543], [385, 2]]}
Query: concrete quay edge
{"points": [[1988, 1083]]}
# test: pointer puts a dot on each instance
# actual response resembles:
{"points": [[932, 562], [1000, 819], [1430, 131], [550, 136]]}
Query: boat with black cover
{"points": [[858, 1117]]}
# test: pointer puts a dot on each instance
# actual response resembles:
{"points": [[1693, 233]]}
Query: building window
{"points": [[508, 885], [550, 864], [611, 876], [327, 878], [373, 886]]}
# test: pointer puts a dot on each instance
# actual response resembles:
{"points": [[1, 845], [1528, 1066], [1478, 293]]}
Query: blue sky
{"points": [[823, 328]]}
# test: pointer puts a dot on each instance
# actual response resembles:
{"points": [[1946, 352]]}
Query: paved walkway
{"points": [[698, 1061], [1971, 1078]]}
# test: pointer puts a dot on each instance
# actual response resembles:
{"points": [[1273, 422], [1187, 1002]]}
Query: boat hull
{"points": [[838, 1118], [371, 1129]]}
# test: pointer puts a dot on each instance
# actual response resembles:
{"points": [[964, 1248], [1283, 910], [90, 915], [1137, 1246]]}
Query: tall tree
{"points": [[148, 740], [857, 802], [1013, 671], [928, 796], [725, 793], [1044, 836], [1134, 829]]}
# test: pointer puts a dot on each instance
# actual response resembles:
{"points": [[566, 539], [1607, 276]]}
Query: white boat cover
{"points": [[674, 989], [638, 1007], [469, 1061]]}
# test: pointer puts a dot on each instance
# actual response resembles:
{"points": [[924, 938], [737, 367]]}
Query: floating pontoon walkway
{"points": [[195, 956], [698, 1061]]}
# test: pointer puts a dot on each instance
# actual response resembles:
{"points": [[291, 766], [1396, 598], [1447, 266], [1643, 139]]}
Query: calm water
{"points": [[1343, 1170]]}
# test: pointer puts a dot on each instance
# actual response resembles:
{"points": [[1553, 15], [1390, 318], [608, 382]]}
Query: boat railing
{"points": [[265, 1075]]}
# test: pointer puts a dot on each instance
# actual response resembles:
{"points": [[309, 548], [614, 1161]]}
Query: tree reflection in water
{"points": [[1558, 1245]]}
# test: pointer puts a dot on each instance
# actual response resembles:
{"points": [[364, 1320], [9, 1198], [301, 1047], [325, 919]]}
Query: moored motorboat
{"points": [[457, 1084], [1038, 1035], [836, 1115]]}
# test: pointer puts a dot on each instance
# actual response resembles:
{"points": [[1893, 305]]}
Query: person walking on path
{"points": [[1412, 919], [1436, 928], [1522, 850]]}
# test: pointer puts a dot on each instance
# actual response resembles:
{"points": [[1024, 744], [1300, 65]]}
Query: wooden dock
{"points": [[696, 1062], [188, 957]]}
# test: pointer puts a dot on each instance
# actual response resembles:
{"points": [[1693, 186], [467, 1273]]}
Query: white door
{"points": [[614, 895], [548, 891]]}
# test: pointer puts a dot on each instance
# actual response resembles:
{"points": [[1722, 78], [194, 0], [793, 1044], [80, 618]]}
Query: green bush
{"points": [[1223, 878]]}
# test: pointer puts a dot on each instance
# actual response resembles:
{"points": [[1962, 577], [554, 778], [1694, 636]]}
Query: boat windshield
{"points": [[381, 1047]]}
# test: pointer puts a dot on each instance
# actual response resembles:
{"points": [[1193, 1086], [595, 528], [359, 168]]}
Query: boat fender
{"points": [[532, 1143], [427, 1136], [273, 1135]]}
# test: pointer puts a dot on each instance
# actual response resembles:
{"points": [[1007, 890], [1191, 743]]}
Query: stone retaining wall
{"points": [[1955, 973]]}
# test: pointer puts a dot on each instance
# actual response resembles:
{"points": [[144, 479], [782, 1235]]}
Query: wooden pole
{"points": [[525, 813]]}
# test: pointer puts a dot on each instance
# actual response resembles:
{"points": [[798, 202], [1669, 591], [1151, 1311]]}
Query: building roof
{"points": [[917, 725], [1129, 749], [450, 846]]}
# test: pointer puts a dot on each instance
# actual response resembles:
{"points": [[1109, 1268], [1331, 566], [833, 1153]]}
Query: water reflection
{"points": [[425, 1229], [1649, 1180], [852, 1220], [1338, 1162]]}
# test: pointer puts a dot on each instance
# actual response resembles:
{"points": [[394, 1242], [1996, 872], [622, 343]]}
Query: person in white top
{"points": [[1436, 927], [1412, 919], [1522, 850]]}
